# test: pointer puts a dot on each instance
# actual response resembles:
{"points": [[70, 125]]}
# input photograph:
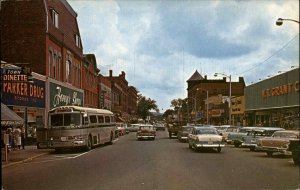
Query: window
{"points": [[54, 65], [59, 67], [100, 119], [93, 119], [50, 63], [77, 40], [54, 18], [107, 119], [68, 71]]}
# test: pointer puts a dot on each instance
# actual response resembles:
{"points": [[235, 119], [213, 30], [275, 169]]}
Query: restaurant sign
{"points": [[64, 96], [17, 90]]}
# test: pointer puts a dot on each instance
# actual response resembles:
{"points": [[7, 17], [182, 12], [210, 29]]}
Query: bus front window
{"points": [[71, 119], [56, 120], [67, 119]]}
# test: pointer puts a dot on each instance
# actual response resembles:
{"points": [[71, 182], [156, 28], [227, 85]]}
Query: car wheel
{"points": [[252, 148], [295, 155], [111, 138], [270, 154], [219, 149], [170, 135], [236, 144]]}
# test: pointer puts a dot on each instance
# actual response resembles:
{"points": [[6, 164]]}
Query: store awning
{"points": [[9, 117]]}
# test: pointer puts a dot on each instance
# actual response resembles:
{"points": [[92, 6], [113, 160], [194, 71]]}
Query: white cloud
{"points": [[160, 44]]}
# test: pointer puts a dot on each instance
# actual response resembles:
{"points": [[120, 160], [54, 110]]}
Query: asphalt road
{"points": [[163, 164]]}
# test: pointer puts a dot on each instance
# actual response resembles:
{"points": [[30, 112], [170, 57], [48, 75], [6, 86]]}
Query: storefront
{"points": [[63, 94], [274, 101], [26, 98]]}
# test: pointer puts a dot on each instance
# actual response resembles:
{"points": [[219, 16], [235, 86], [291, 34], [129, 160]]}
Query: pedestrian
{"points": [[17, 137], [11, 142], [23, 138]]}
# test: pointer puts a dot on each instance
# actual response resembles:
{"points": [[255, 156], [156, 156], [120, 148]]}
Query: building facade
{"points": [[90, 80], [217, 91], [274, 101]]}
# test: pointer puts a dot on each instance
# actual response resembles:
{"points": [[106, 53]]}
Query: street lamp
{"points": [[229, 103], [279, 21], [207, 121]]}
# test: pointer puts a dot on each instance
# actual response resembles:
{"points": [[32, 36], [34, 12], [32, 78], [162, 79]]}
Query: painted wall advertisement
{"points": [[16, 89], [63, 96]]}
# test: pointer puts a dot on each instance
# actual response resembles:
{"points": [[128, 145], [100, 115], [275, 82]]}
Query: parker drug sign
{"points": [[17, 90]]}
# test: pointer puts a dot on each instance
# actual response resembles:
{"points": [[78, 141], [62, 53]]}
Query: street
{"points": [[162, 164]]}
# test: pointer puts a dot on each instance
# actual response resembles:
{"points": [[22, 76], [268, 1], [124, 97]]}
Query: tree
{"points": [[144, 106], [180, 107]]}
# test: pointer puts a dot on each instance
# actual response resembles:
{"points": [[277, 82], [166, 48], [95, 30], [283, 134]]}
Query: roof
{"points": [[9, 117], [196, 76]]}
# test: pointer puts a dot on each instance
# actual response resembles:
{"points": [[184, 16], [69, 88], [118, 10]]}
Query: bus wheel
{"points": [[111, 138], [89, 144]]}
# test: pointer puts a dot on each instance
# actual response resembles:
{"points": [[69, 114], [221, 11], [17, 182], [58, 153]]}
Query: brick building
{"points": [[43, 35], [218, 92], [90, 80], [105, 92]]}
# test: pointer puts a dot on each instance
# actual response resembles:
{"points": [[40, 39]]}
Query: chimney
{"points": [[110, 73], [123, 74], [205, 77]]}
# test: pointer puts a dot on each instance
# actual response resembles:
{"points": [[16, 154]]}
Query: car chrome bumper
{"points": [[209, 145], [145, 136], [274, 150]]}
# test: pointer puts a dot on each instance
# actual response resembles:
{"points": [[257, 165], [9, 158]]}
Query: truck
{"points": [[173, 125]]}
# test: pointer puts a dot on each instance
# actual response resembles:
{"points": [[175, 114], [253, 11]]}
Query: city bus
{"points": [[80, 127]]}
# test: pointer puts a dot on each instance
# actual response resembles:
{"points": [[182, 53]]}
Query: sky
{"points": [[160, 44]]}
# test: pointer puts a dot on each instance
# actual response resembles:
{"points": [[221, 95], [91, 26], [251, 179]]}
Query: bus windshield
{"points": [[66, 119]]}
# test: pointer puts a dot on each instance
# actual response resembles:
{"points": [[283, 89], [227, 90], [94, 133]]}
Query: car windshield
{"points": [[206, 131], [146, 128], [187, 129]]}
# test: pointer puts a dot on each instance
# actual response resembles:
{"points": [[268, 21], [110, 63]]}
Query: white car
{"points": [[205, 137]]}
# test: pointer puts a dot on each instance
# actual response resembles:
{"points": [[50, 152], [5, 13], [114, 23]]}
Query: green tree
{"points": [[144, 106]]}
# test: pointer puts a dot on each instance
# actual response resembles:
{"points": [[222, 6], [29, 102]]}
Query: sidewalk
{"points": [[21, 156]]}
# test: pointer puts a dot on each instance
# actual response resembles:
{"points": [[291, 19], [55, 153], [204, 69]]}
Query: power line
{"points": [[269, 56]]}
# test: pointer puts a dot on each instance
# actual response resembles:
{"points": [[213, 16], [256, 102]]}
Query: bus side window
{"points": [[112, 119], [85, 120], [93, 119], [107, 119], [100, 119]]}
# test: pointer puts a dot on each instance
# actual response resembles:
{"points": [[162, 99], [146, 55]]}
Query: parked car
{"points": [[222, 128], [236, 138], [278, 142], [250, 140], [160, 127], [146, 132], [294, 147], [133, 127], [231, 129], [205, 138], [183, 132]]}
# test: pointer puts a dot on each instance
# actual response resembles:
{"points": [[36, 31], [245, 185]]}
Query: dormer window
{"points": [[54, 16], [77, 41]]}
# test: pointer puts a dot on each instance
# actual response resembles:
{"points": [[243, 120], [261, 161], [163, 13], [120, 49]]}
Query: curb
{"points": [[23, 161]]}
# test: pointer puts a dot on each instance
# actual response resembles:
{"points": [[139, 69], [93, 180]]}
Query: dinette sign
{"points": [[281, 90]]}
